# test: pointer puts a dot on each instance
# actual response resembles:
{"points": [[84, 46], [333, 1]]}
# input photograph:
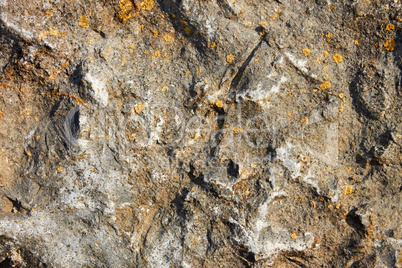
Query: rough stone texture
{"points": [[208, 133]]}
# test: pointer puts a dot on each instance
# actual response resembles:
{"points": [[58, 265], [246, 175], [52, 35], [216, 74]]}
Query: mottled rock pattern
{"points": [[210, 133]]}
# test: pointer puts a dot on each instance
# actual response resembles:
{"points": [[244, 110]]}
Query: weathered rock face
{"points": [[222, 133]]}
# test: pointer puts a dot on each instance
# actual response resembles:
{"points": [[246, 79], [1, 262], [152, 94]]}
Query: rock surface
{"points": [[210, 133]]}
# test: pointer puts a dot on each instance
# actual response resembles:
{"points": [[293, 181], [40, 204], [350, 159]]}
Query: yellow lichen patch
{"points": [[53, 32], [147, 5], [390, 27], [333, 8], [213, 44], [138, 109], [356, 42], [306, 52], [325, 85], [390, 45], [167, 38], [155, 33], [328, 35], [131, 137], [29, 153], [107, 137], [230, 58], [126, 7], [325, 54], [337, 58], [157, 53], [341, 95], [49, 12], [59, 169], [37, 137], [84, 22], [348, 189], [43, 34], [341, 109], [91, 41], [236, 129], [263, 23], [305, 120], [183, 22], [219, 104], [293, 236], [165, 88]]}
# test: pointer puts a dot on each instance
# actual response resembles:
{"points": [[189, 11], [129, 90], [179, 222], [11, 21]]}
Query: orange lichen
{"points": [[187, 30], [390, 45], [325, 54], [306, 52], [390, 27], [167, 38], [131, 137], [356, 42], [230, 58], [49, 12], [341, 109], [348, 189], [293, 236], [337, 58], [325, 85], [84, 22], [77, 99], [237, 129], [43, 34], [138, 109], [59, 169], [53, 31], [219, 104], [126, 10], [165, 88], [147, 5], [213, 44], [155, 33]]}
